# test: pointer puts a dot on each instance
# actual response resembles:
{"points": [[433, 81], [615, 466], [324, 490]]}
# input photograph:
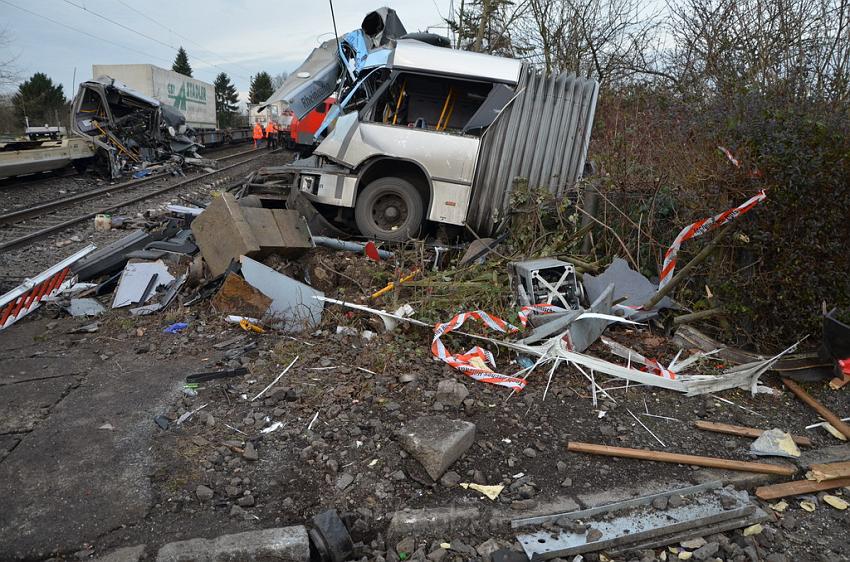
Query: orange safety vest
{"points": [[258, 131], [271, 128]]}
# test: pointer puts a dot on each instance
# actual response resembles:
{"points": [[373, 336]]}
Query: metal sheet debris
{"points": [[293, 307], [85, 307], [133, 286], [636, 520], [630, 288]]}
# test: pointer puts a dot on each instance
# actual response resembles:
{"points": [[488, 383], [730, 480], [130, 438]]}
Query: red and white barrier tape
{"points": [[474, 363], [527, 312], [656, 368], [754, 173], [730, 156], [701, 227]]}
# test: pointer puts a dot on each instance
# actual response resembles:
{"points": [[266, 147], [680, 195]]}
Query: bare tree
{"points": [[489, 26], [278, 79], [611, 40], [8, 71], [798, 47]]}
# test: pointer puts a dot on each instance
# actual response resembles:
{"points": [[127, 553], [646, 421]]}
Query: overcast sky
{"points": [[240, 37]]}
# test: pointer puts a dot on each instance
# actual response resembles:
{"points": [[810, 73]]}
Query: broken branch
{"points": [[824, 412], [831, 471], [742, 431], [798, 487], [676, 458]]}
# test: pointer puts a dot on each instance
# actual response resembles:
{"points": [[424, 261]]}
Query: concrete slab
{"points": [[23, 404], [740, 480], [72, 479], [436, 442], [824, 455], [611, 495], [284, 544], [8, 444], [127, 554], [442, 521]]}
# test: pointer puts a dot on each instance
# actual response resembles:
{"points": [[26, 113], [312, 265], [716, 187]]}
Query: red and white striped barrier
{"points": [[474, 363], [527, 312], [29, 295], [656, 368], [701, 227], [730, 156]]}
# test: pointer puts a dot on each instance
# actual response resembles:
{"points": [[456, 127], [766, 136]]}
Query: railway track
{"points": [[24, 226]]}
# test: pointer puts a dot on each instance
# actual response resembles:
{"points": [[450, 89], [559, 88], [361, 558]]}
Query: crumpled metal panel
{"points": [[542, 135], [312, 82]]}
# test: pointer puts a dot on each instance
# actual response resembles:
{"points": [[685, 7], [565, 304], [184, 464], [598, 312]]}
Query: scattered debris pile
{"points": [[502, 313], [257, 266]]}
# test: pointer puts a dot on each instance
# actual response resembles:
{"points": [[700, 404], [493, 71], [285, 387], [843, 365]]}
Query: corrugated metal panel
{"points": [[542, 136]]}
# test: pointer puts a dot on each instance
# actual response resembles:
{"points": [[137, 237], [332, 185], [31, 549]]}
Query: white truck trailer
{"points": [[193, 98]]}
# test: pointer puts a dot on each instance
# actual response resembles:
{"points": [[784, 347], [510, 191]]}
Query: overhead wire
{"points": [[139, 33], [86, 33], [187, 39]]}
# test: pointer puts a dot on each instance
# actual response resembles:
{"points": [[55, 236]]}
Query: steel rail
{"points": [[43, 208], [23, 240]]}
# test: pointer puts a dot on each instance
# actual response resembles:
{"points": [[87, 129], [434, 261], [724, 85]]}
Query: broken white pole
{"points": [[274, 382], [646, 428]]}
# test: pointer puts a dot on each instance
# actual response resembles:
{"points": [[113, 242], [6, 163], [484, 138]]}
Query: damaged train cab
{"points": [[128, 129]]}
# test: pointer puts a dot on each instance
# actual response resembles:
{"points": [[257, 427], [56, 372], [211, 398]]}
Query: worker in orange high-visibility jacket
{"points": [[271, 135], [258, 134]]}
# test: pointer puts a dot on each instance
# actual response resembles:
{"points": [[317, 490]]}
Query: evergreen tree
{"points": [[181, 63], [226, 99], [261, 88], [39, 99]]}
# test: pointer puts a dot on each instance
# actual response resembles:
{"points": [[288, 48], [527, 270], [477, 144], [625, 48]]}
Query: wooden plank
{"points": [[824, 412], [676, 458], [798, 487], [830, 471], [742, 431]]}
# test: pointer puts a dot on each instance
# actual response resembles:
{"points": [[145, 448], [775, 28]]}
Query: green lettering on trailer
{"points": [[189, 93]]}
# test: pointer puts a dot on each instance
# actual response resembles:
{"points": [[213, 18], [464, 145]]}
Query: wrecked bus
{"points": [[424, 133]]}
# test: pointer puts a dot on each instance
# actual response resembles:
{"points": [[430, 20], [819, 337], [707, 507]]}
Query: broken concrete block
{"points": [[451, 392], [126, 554], [434, 521], [85, 307], [285, 544], [222, 234], [236, 296], [775, 443], [280, 231], [227, 230], [436, 442]]}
